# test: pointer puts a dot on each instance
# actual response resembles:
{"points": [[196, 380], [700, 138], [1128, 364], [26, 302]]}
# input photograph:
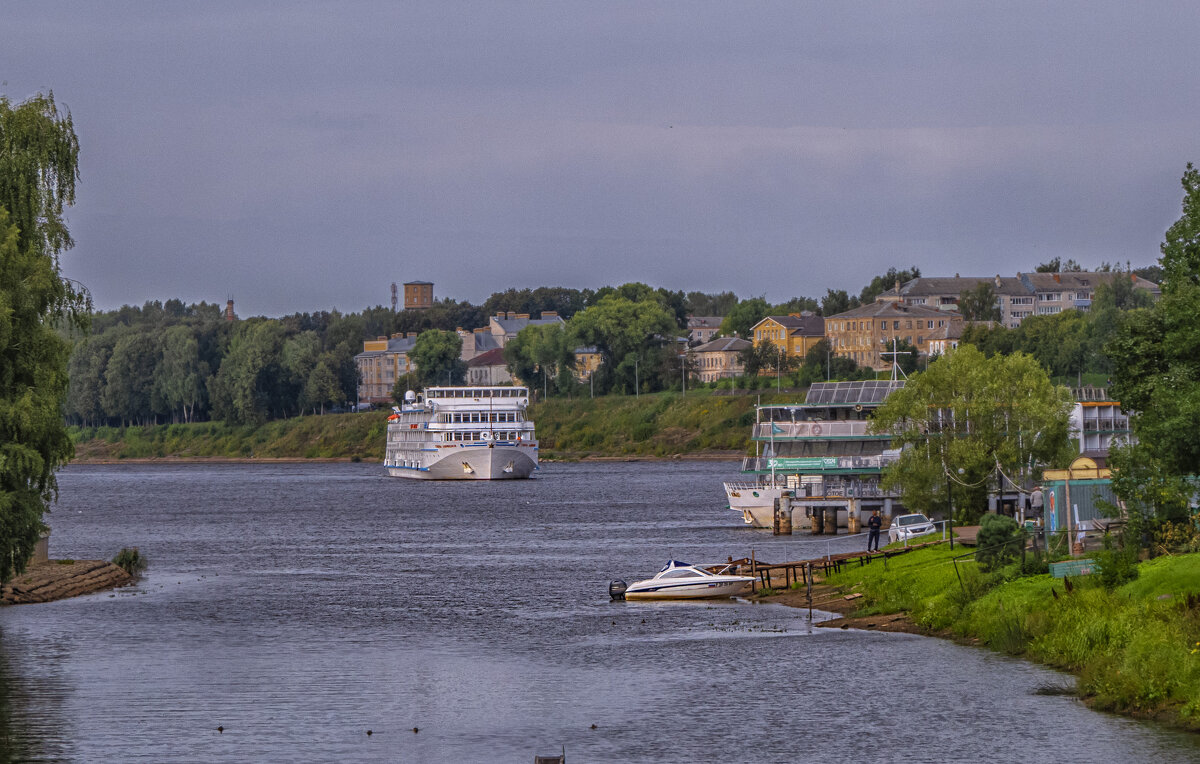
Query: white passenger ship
{"points": [[462, 433]]}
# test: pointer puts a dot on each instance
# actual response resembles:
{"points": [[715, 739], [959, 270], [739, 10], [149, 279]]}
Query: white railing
{"points": [[815, 465], [785, 430]]}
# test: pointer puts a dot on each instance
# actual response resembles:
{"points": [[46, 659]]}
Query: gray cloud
{"points": [[302, 156]]}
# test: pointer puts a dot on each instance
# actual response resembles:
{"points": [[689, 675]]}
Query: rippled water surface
{"points": [[298, 606]]}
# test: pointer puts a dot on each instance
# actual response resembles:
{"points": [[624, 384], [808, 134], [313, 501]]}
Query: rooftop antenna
{"points": [[895, 353], [394, 296]]}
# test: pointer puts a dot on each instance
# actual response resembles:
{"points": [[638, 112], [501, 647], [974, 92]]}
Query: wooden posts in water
{"points": [[818, 520], [831, 520], [782, 522]]}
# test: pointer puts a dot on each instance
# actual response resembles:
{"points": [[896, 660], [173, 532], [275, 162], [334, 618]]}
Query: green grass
{"points": [[1136, 649], [659, 424], [340, 436]]}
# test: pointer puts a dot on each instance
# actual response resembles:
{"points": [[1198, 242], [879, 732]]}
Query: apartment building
{"points": [[1019, 297], [381, 363], [720, 358], [794, 334], [865, 334]]}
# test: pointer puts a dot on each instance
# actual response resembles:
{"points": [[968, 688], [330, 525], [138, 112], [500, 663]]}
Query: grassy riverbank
{"points": [[1135, 649], [659, 425]]}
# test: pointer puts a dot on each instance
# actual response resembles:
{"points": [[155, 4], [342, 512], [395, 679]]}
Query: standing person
{"points": [[875, 523], [1035, 503]]}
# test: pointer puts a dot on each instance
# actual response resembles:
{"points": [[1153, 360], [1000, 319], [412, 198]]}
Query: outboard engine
{"points": [[616, 589]]}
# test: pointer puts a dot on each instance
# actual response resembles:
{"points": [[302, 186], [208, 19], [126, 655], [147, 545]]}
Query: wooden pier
{"points": [[804, 571]]}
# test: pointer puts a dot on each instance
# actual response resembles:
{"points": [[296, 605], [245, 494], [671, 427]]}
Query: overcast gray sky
{"points": [[303, 156]]}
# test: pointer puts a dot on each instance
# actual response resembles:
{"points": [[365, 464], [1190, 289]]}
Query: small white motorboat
{"points": [[680, 581]]}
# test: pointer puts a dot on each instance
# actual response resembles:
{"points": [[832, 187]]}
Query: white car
{"points": [[909, 526]]}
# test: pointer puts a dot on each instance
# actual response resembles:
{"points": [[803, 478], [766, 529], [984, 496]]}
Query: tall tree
{"points": [[979, 303], [619, 328], [743, 316], [837, 301], [969, 421], [1156, 359], [39, 166], [886, 281], [436, 354], [1057, 265]]}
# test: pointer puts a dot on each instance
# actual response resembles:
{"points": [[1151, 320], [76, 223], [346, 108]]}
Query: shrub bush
{"points": [[130, 560], [999, 541], [1118, 562]]}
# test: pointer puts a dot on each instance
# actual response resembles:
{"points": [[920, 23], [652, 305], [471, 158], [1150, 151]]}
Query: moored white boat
{"points": [[681, 581]]}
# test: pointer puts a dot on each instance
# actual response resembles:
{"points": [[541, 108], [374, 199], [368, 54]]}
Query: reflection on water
{"points": [[298, 606]]}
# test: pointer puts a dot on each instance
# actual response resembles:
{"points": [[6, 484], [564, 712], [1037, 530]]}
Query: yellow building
{"points": [[719, 359], [794, 334], [381, 363], [587, 360], [418, 295], [864, 333]]}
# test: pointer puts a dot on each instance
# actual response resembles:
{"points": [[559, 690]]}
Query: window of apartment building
{"points": [[1083, 295], [1049, 296], [908, 324], [1021, 301], [895, 325], [1048, 310], [916, 301]]}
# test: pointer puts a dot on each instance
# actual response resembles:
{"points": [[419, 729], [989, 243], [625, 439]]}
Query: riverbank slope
{"points": [[1135, 649], [662, 425]]}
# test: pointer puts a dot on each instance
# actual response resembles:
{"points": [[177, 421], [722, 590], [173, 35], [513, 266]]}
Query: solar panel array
{"points": [[862, 391]]}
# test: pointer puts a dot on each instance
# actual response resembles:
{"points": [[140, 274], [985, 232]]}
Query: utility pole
{"points": [[637, 387]]}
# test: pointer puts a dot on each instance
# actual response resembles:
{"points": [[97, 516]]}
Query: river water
{"points": [[298, 606]]}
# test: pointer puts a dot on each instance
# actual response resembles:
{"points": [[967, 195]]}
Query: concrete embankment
{"points": [[59, 579]]}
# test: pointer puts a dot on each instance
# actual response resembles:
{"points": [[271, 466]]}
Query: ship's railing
{"points": [[805, 465], [854, 489], [785, 430]]}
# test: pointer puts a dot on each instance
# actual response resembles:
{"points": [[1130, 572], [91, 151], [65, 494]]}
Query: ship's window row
{"points": [[480, 416], [496, 392], [479, 436]]}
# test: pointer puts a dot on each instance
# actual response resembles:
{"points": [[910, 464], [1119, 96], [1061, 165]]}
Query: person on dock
{"points": [[875, 523], [1036, 500]]}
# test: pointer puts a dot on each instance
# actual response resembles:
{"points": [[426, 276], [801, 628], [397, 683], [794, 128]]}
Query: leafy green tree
{"points": [[704, 304], [796, 305], [542, 354], [86, 372], [243, 391], [1156, 360], [886, 281], [39, 166], [436, 354], [837, 301], [181, 376], [297, 359], [321, 387], [1058, 266], [743, 316], [618, 328], [967, 420], [129, 377], [767, 358], [979, 303]]}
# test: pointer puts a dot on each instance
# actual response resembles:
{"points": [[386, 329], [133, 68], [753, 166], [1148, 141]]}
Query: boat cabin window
{"points": [[683, 573]]}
